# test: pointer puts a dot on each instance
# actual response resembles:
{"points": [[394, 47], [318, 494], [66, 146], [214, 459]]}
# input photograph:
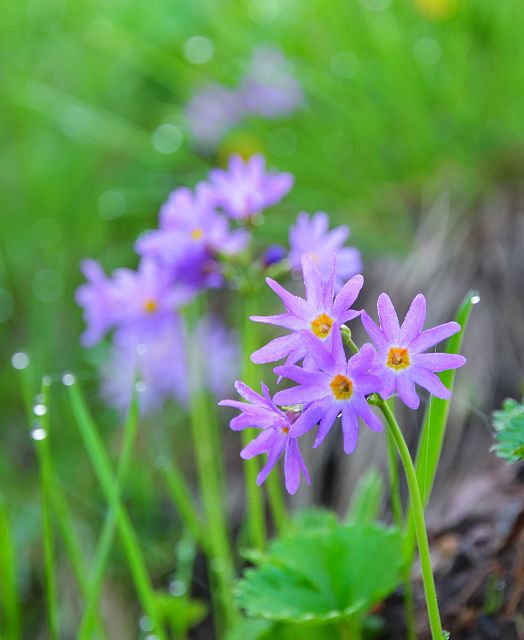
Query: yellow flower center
{"points": [[314, 256], [197, 233], [398, 358], [150, 305], [342, 387], [321, 325]]}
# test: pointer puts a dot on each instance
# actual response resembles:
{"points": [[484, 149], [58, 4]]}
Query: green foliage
{"points": [[323, 575], [366, 500], [509, 427]]}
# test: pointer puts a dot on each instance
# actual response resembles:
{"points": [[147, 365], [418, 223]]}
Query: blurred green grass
{"points": [[399, 105]]}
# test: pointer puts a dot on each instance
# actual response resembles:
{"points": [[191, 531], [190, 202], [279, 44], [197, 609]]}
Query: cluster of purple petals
{"points": [[268, 89], [329, 386]]}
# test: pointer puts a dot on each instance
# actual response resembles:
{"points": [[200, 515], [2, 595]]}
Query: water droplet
{"points": [[47, 381], [40, 398], [39, 409], [475, 298], [141, 349], [198, 50], [177, 588], [140, 386], [68, 379], [38, 433], [167, 138], [145, 623], [20, 360]]}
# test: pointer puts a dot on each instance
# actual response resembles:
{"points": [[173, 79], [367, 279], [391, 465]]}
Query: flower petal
{"points": [[276, 349], [388, 317], [329, 287], [317, 351], [363, 409], [292, 466], [273, 457], [247, 393], [414, 320], [377, 335], [261, 444], [309, 418], [300, 375], [439, 361], [295, 305], [349, 428], [300, 395], [406, 391], [326, 423], [431, 382], [432, 337], [281, 320], [312, 283], [348, 294]]}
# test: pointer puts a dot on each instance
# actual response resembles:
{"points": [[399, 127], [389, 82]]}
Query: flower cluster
{"points": [[269, 89], [328, 384]]}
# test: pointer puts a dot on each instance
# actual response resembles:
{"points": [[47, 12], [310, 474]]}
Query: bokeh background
{"points": [[410, 130]]}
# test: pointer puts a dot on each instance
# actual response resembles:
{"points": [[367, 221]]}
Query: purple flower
{"points": [[401, 361], [191, 234], [260, 412], [138, 300], [97, 299], [211, 112], [313, 237], [270, 88], [317, 315], [339, 387], [245, 189]]}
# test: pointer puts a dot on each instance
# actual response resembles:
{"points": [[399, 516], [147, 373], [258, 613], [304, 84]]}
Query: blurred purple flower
{"points": [[211, 112], [245, 189], [401, 361], [313, 237], [270, 88], [163, 363], [318, 314], [273, 254], [139, 300], [339, 387], [97, 299], [260, 412]]}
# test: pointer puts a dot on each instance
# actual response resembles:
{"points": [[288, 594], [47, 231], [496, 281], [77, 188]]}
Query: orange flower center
{"points": [[197, 233], [285, 429], [342, 387], [398, 358], [150, 305], [321, 325]]}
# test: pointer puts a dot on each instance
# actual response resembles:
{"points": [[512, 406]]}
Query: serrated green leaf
{"points": [[509, 425], [313, 518], [323, 575]]}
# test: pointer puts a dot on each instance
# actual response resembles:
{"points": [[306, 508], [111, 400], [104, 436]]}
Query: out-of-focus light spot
{"points": [[141, 349], [111, 204], [46, 233], [198, 50], [48, 285], [345, 65], [436, 9], [263, 11], [47, 381], [99, 34], [140, 386], [475, 298], [377, 5], [177, 588], [427, 51], [167, 138], [39, 410], [282, 142], [6, 305], [68, 379], [39, 434], [20, 360], [145, 623]]}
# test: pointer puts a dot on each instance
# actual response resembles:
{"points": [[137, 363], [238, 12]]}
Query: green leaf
{"points": [[509, 425], [181, 612], [366, 501], [323, 575]]}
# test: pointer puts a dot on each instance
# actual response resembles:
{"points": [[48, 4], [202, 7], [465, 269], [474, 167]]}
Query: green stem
{"points": [[40, 436], [418, 516], [255, 498], [9, 593], [183, 501], [102, 466], [105, 541], [213, 502], [277, 503]]}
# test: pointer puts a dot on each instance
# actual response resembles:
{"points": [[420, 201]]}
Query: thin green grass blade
{"points": [[102, 466], [105, 542], [10, 603], [434, 425]]}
